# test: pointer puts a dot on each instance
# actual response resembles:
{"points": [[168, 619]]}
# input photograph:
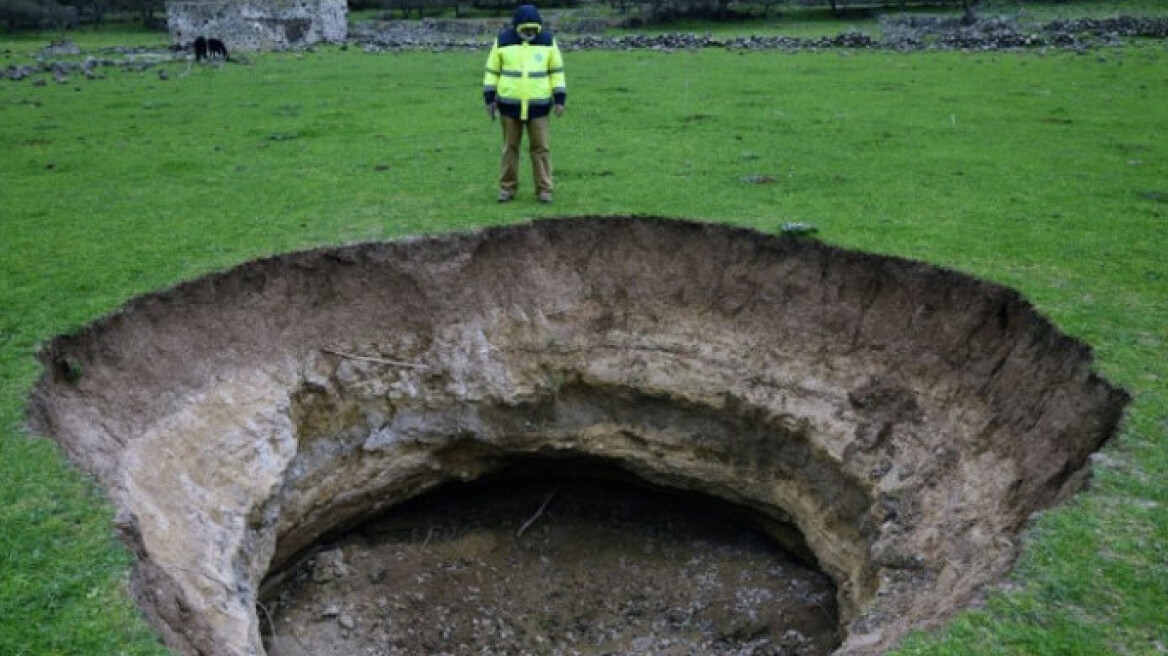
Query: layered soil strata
{"points": [[895, 421]]}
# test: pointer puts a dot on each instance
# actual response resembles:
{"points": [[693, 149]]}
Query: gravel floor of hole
{"points": [[600, 567]]}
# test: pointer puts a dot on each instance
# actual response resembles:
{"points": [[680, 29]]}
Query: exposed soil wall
{"points": [[905, 419]]}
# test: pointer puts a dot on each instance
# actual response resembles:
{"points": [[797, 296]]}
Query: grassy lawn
{"points": [[1048, 173]]}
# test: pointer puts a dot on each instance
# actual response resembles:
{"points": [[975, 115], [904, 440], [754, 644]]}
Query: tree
{"points": [[18, 13], [147, 9], [968, 6], [91, 12], [37, 14], [621, 6]]}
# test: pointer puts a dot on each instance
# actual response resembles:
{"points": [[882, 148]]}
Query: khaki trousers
{"points": [[538, 142]]}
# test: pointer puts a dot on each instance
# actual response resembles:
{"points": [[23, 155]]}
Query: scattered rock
{"points": [[61, 48], [796, 228], [330, 566], [18, 72], [759, 179], [608, 568], [901, 33]]}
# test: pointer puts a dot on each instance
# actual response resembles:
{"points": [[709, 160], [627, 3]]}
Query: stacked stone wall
{"points": [[258, 24]]}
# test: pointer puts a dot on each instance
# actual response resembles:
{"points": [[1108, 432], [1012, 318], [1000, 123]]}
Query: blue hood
{"points": [[526, 14]]}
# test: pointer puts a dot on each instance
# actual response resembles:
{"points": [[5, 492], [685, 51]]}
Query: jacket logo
{"points": [[539, 57]]}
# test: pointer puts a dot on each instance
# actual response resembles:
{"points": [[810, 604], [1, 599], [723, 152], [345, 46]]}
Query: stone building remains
{"points": [[258, 24]]}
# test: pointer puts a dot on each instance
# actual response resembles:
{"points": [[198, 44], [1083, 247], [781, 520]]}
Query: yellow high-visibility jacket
{"points": [[525, 77]]}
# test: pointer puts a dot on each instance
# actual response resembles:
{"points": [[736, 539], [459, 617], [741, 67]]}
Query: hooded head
{"points": [[527, 22]]}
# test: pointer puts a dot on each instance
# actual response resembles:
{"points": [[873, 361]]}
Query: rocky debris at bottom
{"points": [[607, 568]]}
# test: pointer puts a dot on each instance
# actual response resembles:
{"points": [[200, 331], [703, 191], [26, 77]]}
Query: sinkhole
{"points": [[301, 446]]}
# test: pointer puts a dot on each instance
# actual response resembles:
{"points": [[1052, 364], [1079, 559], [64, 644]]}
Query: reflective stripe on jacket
{"points": [[525, 78]]}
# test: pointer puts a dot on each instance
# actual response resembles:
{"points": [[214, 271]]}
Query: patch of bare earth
{"points": [[553, 566], [893, 424]]}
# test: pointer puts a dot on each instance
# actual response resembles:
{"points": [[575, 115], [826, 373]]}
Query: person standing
{"points": [[524, 83]]}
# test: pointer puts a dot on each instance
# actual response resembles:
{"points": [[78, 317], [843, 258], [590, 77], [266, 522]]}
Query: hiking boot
{"points": [[545, 197], [505, 197]]}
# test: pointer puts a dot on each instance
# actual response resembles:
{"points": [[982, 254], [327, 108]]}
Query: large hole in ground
{"points": [[553, 557], [892, 422]]}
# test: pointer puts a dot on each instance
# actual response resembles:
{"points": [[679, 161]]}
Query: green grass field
{"points": [[1048, 173]]}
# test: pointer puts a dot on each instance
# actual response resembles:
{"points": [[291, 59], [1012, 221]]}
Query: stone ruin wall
{"points": [[259, 24]]}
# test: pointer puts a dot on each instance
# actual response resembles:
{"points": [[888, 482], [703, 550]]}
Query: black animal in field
{"points": [[216, 49], [210, 49]]}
